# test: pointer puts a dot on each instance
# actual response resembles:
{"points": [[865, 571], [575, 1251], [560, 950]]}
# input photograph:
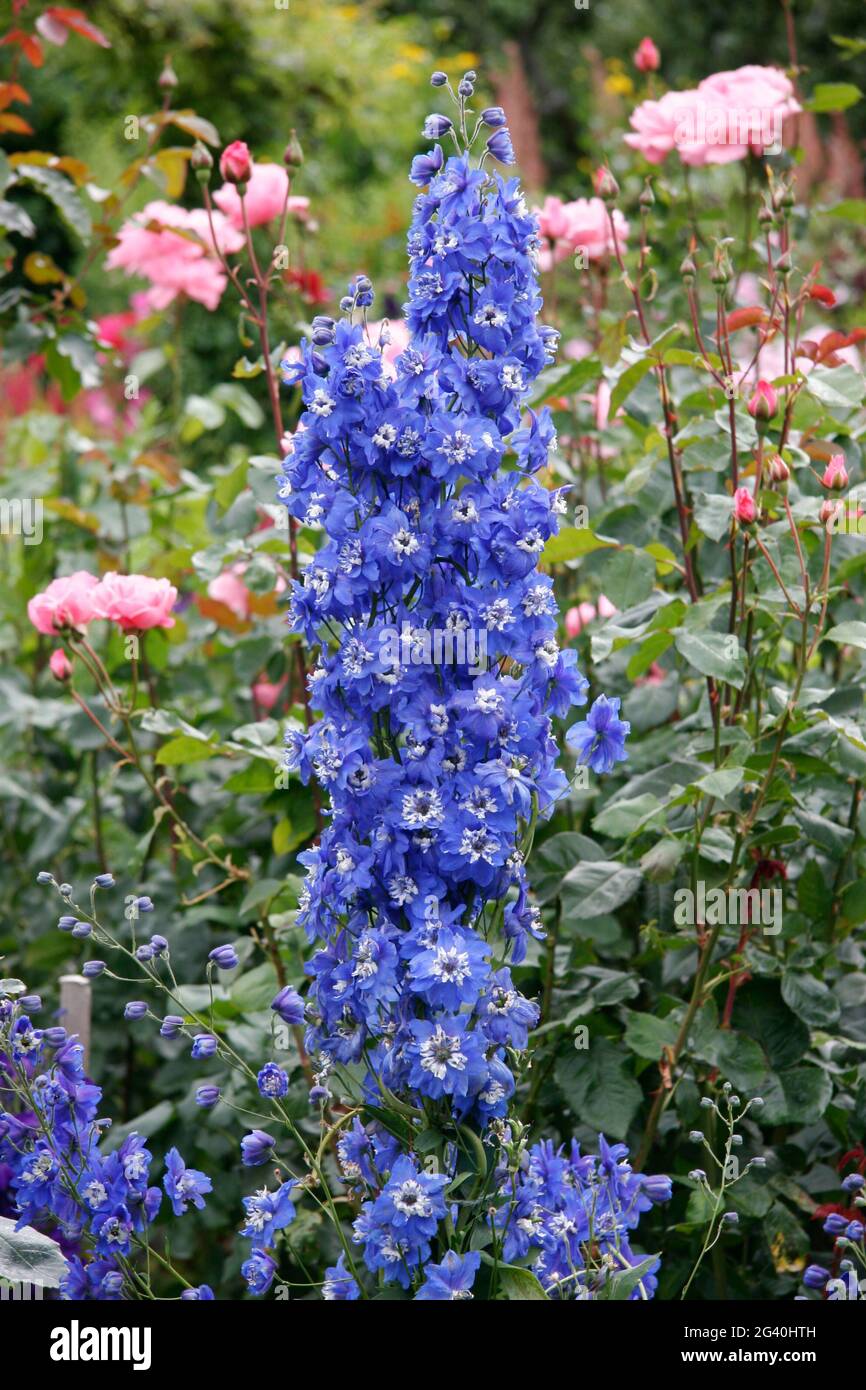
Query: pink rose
{"points": [[579, 226], [235, 162], [68, 602], [724, 118], [60, 665], [135, 601], [174, 249], [577, 618], [764, 403], [647, 58], [265, 197]]}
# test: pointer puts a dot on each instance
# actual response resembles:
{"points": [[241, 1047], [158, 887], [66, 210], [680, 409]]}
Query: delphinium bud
{"points": [[92, 969], [104, 881], [135, 1009], [224, 957], [438, 79], [435, 126], [494, 117], [44, 876], [81, 931], [170, 1026]]}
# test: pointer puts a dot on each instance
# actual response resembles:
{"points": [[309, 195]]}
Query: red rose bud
{"points": [[647, 58], [764, 403], [777, 469], [744, 506], [835, 474], [605, 184], [235, 162]]}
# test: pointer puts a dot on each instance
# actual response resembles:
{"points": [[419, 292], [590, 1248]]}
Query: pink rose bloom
{"points": [[60, 665], [266, 693], [68, 602], [265, 197], [755, 102], [720, 121], [581, 225], [606, 609], [229, 588], [671, 123], [135, 601], [149, 245]]}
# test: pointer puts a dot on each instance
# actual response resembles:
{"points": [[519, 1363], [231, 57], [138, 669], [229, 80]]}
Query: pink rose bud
{"points": [[835, 474], [744, 506], [605, 184], [235, 162], [829, 511], [778, 470], [647, 58], [764, 402], [61, 666], [577, 618]]}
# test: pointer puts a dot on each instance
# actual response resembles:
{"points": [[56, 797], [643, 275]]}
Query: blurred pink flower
{"points": [[229, 588], [720, 121], [576, 619], [396, 339], [580, 225], [266, 693], [647, 58], [66, 602], [61, 666], [135, 601], [265, 197], [173, 248]]}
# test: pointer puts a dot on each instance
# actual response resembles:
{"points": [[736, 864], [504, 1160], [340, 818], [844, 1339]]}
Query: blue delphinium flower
{"points": [[439, 672], [272, 1081], [184, 1185], [599, 740], [256, 1148], [339, 1286], [452, 1279]]}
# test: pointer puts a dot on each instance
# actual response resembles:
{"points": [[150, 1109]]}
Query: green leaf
{"points": [[621, 1285], [739, 1059], [762, 1014], [629, 379], [254, 991], [810, 999], [61, 192], [833, 96], [555, 857], [799, 1096], [565, 381], [722, 782], [713, 654], [852, 634], [14, 219], [713, 514], [184, 750], [28, 1257], [625, 815], [648, 1036], [649, 651], [851, 209], [569, 544], [627, 577], [520, 1285], [596, 889], [599, 1087]]}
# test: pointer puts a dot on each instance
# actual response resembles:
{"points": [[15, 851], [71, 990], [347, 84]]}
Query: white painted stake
{"points": [[75, 1010]]}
